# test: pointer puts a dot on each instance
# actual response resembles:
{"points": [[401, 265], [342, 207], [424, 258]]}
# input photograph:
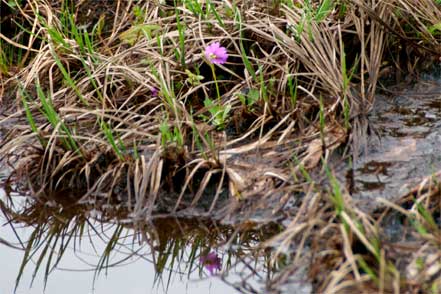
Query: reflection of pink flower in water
{"points": [[154, 91], [211, 262]]}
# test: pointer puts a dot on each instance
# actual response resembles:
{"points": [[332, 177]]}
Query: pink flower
{"points": [[154, 91], [216, 54], [211, 262]]}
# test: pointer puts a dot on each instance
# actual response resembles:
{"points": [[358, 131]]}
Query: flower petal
{"points": [[216, 54]]}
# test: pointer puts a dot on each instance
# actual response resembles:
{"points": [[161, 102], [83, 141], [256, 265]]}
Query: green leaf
{"points": [[12, 3], [324, 9], [253, 96], [193, 79], [435, 29], [132, 35]]}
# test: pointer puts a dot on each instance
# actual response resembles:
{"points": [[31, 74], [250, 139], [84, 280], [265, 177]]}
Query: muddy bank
{"points": [[403, 144]]}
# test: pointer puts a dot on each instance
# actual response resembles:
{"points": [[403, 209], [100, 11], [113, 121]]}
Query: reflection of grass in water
{"points": [[328, 228], [175, 247]]}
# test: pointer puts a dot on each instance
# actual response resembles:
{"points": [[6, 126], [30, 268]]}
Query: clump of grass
{"points": [[125, 110], [101, 102]]}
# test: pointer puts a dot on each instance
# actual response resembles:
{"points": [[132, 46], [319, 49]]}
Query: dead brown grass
{"points": [[159, 155]]}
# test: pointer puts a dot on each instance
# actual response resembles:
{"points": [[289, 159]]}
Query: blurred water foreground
{"points": [[60, 244], [171, 256]]}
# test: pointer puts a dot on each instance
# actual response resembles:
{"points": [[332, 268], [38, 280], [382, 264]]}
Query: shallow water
{"points": [[76, 271], [74, 276], [175, 248]]}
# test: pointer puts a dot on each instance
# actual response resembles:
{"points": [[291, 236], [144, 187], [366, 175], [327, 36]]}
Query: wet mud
{"points": [[404, 145]]}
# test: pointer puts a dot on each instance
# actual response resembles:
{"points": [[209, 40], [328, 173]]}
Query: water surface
{"points": [[131, 270]]}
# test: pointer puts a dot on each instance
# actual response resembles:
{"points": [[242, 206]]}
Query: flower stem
{"points": [[215, 82]]}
